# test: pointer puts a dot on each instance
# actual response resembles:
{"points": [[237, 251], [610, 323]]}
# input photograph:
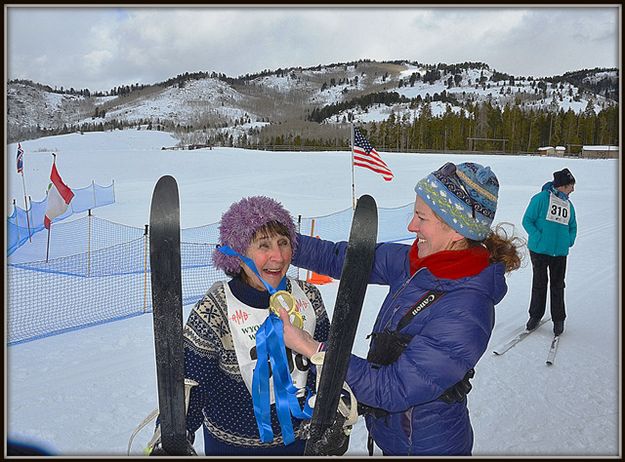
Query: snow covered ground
{"points": [[82, 393]]}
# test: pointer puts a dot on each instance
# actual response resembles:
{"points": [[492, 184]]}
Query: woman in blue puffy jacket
{"points": [[437, 318]]}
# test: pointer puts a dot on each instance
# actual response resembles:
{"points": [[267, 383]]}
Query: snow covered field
{"points": [[82, 393]]}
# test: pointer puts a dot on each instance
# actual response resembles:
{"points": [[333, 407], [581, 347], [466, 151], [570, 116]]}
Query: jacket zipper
{"points": [[396, 294], [410, 435]]}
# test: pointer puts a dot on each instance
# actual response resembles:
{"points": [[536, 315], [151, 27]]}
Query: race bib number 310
{"points": [[559, 210]]}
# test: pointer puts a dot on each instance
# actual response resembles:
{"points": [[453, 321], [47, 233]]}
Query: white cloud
{"points": [[151, 44], [96, 61]]}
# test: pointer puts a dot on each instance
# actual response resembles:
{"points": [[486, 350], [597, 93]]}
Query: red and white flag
{"points": [[59, 197], [366, 156]]}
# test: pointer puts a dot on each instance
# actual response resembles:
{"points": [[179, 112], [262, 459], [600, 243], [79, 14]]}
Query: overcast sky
{"points": [[103, 47]]}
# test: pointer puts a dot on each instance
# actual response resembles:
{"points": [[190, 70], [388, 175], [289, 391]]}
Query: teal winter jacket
{"points": [[550, 222]]}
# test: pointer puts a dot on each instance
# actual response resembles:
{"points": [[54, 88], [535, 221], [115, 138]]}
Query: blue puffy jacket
{"points": [[545, 236], [448, 339]]}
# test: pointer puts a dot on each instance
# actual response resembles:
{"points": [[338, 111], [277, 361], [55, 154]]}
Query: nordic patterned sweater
{"points": [[221, 402]]}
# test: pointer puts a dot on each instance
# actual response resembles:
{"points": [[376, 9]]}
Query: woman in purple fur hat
{"points": [[221, 338]]}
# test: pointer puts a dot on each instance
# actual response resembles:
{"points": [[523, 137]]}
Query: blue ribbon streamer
{"points": [[227, 250], [282, 378], [270, 348], [260, 388]]}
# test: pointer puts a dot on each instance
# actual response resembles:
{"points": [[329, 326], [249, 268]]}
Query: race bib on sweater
{"points": [[559, 211], [244, 321]]}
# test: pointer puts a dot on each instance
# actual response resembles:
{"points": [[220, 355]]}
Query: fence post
{"points": [[28, 220], [312, 234], [89, 243], [299, 230], [145, 270], [17, 222]]}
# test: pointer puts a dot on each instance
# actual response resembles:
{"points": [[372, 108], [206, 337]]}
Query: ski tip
{"points": [[166, 179], [549, 363], [366, 199], [164, 195], [166, 184]]}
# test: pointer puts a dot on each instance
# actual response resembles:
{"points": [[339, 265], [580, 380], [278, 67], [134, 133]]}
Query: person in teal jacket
{"points": [[552, 228]]}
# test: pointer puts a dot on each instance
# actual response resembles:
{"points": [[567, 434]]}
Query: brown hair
{"points": [[503, 247], [271, 229]]}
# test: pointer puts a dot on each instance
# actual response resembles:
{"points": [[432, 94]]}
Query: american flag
{"points": [[20, 158], [366, 156]]}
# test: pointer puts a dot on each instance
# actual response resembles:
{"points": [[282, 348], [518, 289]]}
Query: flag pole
{"points": [[50, 228], [17, 219], [351, 125], [20, 169], [48, 244]]}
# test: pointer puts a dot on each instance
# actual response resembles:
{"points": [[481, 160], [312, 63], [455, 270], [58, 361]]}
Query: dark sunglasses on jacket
{"points": [[449, 170]]}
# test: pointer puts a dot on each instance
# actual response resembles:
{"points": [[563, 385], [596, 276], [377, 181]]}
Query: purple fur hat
{"points": [[241, 221]]}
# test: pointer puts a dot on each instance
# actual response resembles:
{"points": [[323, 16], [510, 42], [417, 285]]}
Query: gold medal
{"points": [[283, 299]]}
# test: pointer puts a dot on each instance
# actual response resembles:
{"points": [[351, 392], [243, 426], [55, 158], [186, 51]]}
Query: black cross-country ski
{"points": [[349, 299], [553, 349], [516, 338], [167, 315]]}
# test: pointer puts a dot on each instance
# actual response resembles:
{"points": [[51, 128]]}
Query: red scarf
{"points": [[450, 264]]}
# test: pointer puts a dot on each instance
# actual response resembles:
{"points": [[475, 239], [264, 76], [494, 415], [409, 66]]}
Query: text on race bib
{"points": [[559, 211]]}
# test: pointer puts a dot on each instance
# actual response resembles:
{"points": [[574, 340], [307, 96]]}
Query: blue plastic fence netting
{"points": [[21, 226], [99, 271]]}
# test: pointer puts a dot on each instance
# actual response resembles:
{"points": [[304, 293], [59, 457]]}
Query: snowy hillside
{"points": [[218, 101], [82, 393], [198, 101], [556, 97]]}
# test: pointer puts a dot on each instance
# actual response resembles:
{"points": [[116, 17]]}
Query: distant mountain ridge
{"points": [[312, 100]]}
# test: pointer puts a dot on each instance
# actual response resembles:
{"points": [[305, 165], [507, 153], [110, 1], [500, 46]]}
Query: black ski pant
{"points": [[540, 281]]}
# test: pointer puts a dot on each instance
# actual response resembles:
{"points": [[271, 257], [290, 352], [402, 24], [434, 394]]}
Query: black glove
{"points": [[386, 347], [460, 390], [159, 451], [187, 451], [334, 440], [363, 409]]}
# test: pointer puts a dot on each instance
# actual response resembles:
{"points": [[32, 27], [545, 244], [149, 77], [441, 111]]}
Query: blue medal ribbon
{"points": [[227, 250], [270, 348]]}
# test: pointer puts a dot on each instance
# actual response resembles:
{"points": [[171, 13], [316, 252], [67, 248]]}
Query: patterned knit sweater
{"points": [[221, 402]]}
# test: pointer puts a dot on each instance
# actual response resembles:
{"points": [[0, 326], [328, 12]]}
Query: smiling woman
{"points": [[271, 252], [436, 321], [433, 234], [230, 336]]}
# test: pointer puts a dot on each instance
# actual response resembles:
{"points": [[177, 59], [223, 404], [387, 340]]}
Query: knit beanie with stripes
{"points": [[464, 196]]}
